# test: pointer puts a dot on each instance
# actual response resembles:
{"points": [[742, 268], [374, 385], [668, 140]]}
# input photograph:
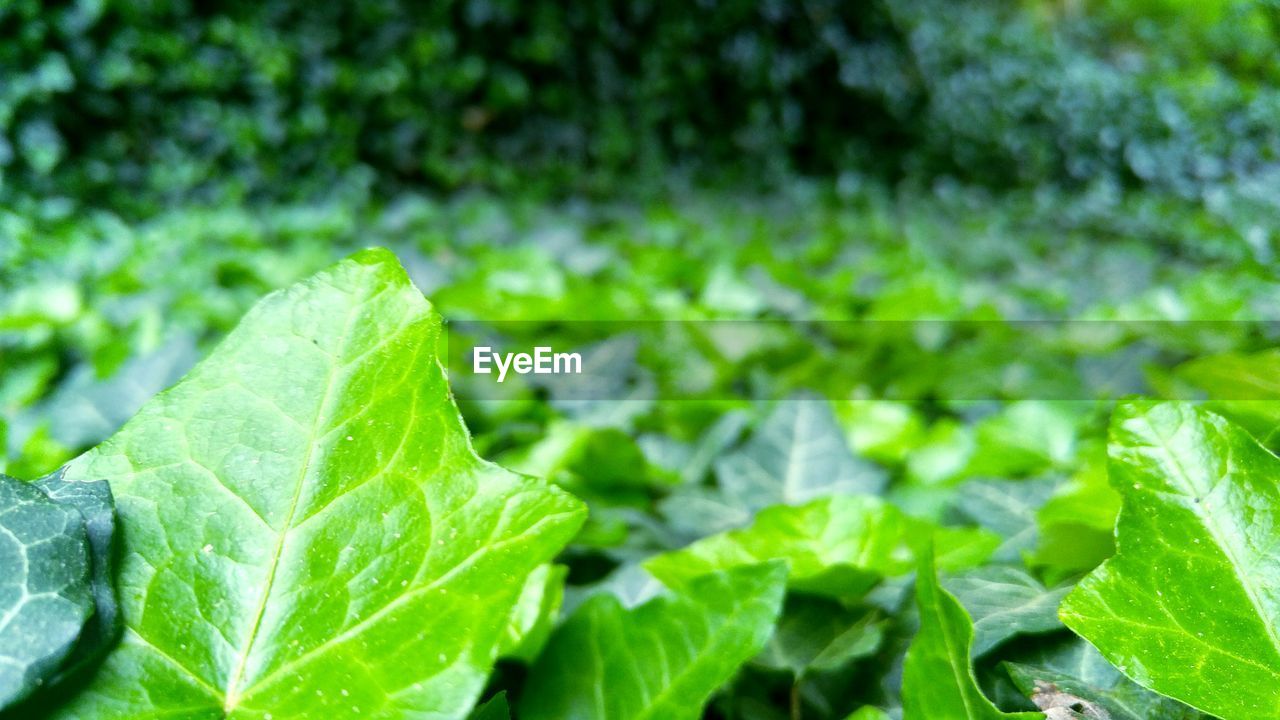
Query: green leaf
{"points": [[1007, 508], [1024, 438], [798, 454], [662, 659], [1190, 604], [46, 591], [694, 511], [943, 454], [631, 584], [495, 708], [1243, 387], [1004, 602], [937, 679], [86, 409], [1074, 669], [692, 461], [884, 431], [534, 613], [598, 464], [93, 500], [1076, 525], [820, 635], [308, 531], [838, 547]]}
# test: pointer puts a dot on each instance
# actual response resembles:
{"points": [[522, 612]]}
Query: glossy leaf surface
{"points": [[308, 531], [1190, 604]]}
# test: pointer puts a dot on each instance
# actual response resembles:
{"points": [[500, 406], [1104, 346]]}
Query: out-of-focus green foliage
{"points": [[134, 104], [100, 313]]}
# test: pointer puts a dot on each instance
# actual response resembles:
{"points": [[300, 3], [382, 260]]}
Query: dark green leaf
{"points": [[92, 498], [1007, 508], [819, 635], [46, 587], [495, 708], [1075, 668], [1004, 602]]}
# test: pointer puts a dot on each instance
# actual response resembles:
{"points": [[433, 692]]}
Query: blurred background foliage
{"points": [[133, 104], [164, 164]]}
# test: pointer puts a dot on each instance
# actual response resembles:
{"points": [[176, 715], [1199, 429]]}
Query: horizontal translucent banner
{"points": [[926, 360]]}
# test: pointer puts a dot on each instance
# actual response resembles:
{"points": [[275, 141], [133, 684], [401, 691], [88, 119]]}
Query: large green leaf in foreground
{"points": [[1190, 604], [307, 531], [661, 660], [937, 678]]}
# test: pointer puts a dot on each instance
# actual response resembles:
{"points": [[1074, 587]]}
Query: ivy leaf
{"points": [[820, 635], [1007, 508], [84, 409], [937, 677], [92, 499], [882, 430], [1004, 602], [1025, 438], [46, 593], [1076, 525], [1243, 387], [798, 454], [691, 461], [1074, 669], [534, 613], [838, 547], [694, 511], [308, 531], [1190, 604], [662, 659]]}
